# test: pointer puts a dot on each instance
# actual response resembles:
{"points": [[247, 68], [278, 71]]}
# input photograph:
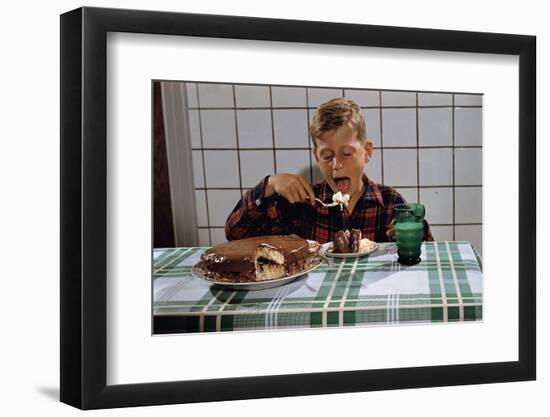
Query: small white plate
{"points": [[326, 250], [256, 285]]}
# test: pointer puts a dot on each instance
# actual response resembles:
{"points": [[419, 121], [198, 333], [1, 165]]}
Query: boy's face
{"points": [[342, 158]]}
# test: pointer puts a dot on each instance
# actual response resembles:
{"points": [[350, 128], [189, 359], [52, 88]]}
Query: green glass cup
{"points": [[409, 232]]}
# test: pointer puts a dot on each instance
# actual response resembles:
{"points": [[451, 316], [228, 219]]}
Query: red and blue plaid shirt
{"points": [[257, 215]]}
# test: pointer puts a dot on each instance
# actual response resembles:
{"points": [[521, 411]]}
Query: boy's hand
{"points": [[292, 187]]}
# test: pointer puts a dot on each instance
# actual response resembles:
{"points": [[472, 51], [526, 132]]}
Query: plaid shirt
{"points": [[257, 215]]}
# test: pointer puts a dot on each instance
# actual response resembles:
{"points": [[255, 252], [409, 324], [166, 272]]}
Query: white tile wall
{"points": [[438, 203], [200, 203], [468, 127], [192, 95], [400, 167], [436, 166], [365, 98], [435, 99], [288, 97], [399, 127], [468, 99], [317, 96], [468, 166], [218, 236], [255, 165], [198, 171], [293, 162], [254, 128], [195, 128], [252, 96], [435, 126], [216, 95], [220, 204], [373, 168], [409, 194], [290, 128], [372, 120], [442, 232], [218, 128], [222, 169], [395, 98], [468, 204], [204, 237]]}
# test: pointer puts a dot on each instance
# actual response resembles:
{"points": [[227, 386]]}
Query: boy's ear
{"points": [[368, 149]]}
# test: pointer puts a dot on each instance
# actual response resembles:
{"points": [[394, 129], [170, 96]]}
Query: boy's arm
{"points": [[427, 231], [254, 215]]}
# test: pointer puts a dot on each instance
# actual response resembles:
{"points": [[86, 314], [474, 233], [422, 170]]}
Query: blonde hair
{"points": [[335, 113]]}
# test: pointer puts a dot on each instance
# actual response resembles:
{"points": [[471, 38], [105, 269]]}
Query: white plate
{"points": [[256, 285], [326, 250]]}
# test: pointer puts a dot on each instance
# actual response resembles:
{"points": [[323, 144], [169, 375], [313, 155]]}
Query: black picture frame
{"points": [[83, 311]]}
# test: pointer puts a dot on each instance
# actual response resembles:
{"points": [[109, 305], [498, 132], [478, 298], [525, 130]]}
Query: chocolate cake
{"points": [[354, 240], [340, 243], [257, 258], [346, 241]]}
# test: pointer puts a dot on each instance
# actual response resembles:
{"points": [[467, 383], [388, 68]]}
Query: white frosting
{"points": [[366, 245], [342, 199]]}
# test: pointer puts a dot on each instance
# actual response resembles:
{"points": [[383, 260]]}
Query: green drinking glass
{"points": [[409, 232]]}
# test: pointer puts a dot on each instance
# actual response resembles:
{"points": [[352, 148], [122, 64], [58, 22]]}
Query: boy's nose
{"points": [[336, 165]]}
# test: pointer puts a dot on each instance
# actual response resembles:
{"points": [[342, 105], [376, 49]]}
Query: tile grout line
{"points": [[303, 148], [381, 138], [454, 155], [464, 93], [237, 139], [204, 169], [272, 129], [417, 154], [313, 108], [396, 186], [309, 139]]}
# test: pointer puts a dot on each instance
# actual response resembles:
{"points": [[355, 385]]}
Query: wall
{"points": [[426, 145]]}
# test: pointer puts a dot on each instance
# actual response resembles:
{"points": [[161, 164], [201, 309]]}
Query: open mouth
{"points": [[343, 184]]}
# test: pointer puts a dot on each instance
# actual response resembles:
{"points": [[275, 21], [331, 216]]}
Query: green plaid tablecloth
{"points": [[373, 290]]}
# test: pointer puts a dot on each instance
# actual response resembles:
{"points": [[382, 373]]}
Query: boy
{"points": [[285, 203]]}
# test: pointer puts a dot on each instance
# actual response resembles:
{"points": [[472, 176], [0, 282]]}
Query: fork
{"points": [[325, 204]]}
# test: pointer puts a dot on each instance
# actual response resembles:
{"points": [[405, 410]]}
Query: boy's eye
{"points": [[347, 151], [326, 157]]}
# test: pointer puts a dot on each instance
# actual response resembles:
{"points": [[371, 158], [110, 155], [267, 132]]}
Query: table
{"points": [[446, 286]]}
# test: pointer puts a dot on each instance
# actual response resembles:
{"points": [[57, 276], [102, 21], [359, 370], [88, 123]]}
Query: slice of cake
{"points": [[257, 258], [346, 241], [354, 240], [340, 243]]}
